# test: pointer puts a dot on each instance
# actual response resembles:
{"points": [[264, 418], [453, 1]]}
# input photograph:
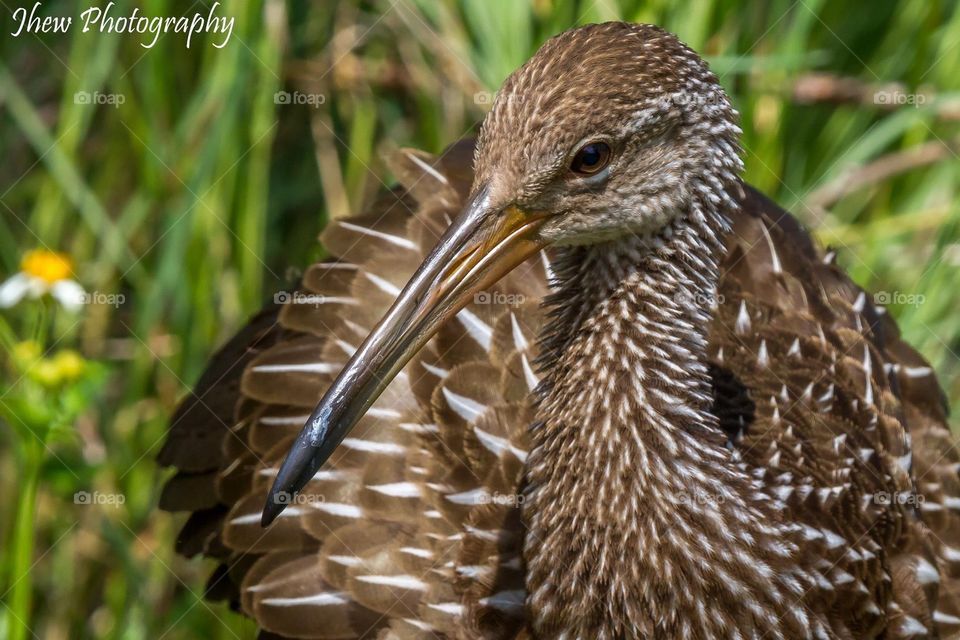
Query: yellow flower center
{"points": [[49, 266]]}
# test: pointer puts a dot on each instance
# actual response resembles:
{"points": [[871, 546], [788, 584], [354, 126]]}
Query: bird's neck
{"points": [[639, 519]]}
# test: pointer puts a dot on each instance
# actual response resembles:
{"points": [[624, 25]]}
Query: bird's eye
{"points": [[591, 159]]}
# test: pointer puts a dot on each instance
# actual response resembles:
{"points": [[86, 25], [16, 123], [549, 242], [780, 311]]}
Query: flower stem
{"points": [[21, 589]]}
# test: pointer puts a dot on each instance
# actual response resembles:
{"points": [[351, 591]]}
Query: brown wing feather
{"points": [[842, 426], [413, 529]]}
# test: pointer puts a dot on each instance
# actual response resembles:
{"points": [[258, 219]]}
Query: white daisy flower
{"points": [[42, 272]]}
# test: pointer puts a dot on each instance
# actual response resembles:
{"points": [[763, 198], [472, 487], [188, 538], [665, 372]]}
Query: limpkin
{"points": [[623, 395]]}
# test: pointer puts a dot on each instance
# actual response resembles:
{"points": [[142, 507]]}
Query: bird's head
{"points": [[609, 130]]}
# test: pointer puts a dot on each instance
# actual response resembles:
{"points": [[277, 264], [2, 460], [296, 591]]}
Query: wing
{"points": [[413, 528], [846, 421]]}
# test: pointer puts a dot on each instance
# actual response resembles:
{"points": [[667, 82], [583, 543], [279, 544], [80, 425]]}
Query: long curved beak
{"points": [[482, 245]]}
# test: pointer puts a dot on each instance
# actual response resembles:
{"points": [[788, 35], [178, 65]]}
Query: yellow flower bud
{"points": [[70, 364]]}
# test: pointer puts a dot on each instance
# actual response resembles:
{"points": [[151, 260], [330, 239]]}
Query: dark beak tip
{"points": [[298, 467], [271, 510], [278, 498]]}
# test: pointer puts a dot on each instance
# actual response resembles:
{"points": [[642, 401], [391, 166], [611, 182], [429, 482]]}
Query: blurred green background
{"points": [[184, 207]]}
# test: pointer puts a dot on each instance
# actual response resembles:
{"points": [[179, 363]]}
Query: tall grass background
{"points": [[200, 195]]}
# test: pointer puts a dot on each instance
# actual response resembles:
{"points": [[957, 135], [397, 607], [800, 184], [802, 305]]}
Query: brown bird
{"points": [[624, 395]]}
